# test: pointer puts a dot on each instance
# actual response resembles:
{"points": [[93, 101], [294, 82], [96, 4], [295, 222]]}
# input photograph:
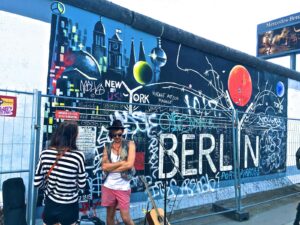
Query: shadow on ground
{"points": [[276, 207]]}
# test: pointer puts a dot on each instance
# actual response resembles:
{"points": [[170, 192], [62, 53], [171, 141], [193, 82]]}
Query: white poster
{"points": [[86, 142]]}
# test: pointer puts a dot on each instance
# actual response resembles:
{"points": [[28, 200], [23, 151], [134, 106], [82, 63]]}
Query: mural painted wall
{"points": [[174, 98]]}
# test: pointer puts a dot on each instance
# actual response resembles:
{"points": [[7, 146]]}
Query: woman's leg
{"points": [[110, 215], [126, 217]]}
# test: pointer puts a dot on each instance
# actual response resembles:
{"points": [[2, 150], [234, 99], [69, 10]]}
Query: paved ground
{"points": [[277, 212]]}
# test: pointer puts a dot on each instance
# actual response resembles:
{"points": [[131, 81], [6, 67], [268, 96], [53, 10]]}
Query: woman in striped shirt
{"points": [[61, 172]]}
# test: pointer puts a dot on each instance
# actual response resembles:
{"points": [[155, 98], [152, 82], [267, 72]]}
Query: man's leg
{"points": [[126, 217], [110, 215]]}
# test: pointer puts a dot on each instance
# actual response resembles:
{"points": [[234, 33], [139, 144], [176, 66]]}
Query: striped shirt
{"points": [[65, 180]]}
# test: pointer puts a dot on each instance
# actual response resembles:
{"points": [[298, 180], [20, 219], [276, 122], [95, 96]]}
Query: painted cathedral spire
{"points": [[142, 56]]}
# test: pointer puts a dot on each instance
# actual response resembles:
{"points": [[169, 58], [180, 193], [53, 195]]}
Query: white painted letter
{"points": [[206, 152], [170, 152], [248, 144], [184, 153]]}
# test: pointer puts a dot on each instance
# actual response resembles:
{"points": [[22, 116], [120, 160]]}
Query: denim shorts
{"points": [[65, 214]]}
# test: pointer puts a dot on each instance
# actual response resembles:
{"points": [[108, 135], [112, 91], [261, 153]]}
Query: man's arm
{"points": [[129, 163], [108, 166]]}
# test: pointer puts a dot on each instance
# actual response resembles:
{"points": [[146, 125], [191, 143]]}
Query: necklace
{"points": [[116, 148]]}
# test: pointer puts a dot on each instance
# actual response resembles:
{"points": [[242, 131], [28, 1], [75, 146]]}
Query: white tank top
{"points": [[114, 180]]}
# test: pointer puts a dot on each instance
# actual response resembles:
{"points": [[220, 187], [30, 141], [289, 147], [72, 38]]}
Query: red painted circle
{"points": [[240, 85]]}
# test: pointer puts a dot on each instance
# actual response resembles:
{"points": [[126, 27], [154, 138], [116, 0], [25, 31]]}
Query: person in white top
{"points": [[118, 165]]}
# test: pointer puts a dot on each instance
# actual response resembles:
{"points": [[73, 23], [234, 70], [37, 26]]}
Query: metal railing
{"points": [[220, 153], [18, 142]]}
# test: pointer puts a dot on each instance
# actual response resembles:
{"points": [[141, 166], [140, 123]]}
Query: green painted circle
{"points": [[142, 72]]}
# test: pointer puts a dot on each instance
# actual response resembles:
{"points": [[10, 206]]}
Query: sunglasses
{"points": [[117, 135]]}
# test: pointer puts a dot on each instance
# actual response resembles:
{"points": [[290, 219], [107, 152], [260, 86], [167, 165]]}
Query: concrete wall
{"points": [[29, 54], [25, 35]]}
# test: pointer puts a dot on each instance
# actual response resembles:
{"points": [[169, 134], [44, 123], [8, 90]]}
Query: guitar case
{"points": [[298, 159], [85, 220], [14, 207], [90, 220]]}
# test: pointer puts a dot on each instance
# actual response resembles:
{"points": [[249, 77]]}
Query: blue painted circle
{"points": [[57, 8], [280, 90]]}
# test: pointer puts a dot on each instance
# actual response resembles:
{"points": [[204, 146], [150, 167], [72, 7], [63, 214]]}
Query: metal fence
{"points": [[278, 143], [18, 141], [221, 154]]}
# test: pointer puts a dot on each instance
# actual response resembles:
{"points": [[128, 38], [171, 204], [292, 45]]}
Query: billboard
{"points": [[279, 37]]}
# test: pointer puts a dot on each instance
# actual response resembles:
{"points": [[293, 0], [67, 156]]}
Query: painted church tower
{"points": [[99, 47], [114, 53]]}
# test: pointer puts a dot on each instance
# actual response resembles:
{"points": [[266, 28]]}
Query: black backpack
{"points": [[14, 208]]}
